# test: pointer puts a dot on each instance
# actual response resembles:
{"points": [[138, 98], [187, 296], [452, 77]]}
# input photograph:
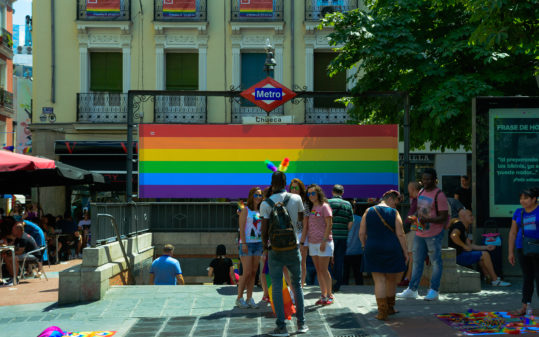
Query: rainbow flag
{"points": [[103, 7], [289, 307], [256, 8], [179, 8], [225, 161]]}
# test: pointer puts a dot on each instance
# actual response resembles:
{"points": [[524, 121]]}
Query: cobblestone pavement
{"points": [[161, 311]]}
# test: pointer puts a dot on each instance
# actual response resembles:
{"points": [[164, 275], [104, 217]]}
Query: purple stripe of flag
{"points": [[241, 191]]}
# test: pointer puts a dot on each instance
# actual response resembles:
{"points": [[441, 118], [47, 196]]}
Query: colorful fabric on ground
{"points": [[256, 8], [225, 161], [103, 7], [91, 334], [490, 323], [179, 8], [289, 307]]}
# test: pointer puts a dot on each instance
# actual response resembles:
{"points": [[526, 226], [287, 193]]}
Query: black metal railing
{"points": [[317, 9], [180, 109], [257, 10], [102, 107], [6, 100], [7, 39], [136, 218], [91, 11], [180, 11], [325, 111]]}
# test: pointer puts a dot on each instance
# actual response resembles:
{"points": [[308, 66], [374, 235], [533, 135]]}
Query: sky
{"points": [[22, 9]]}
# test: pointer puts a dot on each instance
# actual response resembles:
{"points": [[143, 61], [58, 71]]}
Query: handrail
{"points": [[130, 275]]}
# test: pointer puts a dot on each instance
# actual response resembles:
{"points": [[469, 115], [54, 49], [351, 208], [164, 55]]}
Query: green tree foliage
{"points": [[422, 47]]}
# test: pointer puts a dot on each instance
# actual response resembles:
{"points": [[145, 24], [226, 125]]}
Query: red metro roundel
{"points": [[268, 94]]}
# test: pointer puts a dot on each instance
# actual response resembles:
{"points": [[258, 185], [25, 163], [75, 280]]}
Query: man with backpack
{"points": [[280, 212], [432, 213]]}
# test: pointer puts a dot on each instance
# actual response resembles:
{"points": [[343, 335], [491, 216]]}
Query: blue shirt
{"points": [[353, 245], [530, 222], [165, 268], [37, 233]]}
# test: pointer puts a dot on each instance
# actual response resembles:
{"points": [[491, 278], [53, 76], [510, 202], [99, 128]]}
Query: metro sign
{"points": [[268, 94]]}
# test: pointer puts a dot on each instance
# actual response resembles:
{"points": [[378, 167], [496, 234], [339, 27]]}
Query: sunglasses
{"points": [[293, 188], [309, 194], [257, 195]]}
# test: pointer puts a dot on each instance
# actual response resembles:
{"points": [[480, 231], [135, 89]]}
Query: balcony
{"points": [[257, 10], [6, 39], [6, 101], [180, 109], [180, 10], [315, 10], [101, 107], [100, 10]]}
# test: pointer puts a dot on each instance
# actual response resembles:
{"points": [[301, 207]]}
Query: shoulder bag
{"points": [[384, 221]]}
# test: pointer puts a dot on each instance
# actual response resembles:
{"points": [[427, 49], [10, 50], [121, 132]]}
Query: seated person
{"points": [[222, 268], [469, 253], [7, 239], [25, 243], [71, 242]]}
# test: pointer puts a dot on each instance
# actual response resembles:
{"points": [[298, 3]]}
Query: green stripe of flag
{"points": [[260, 167]]}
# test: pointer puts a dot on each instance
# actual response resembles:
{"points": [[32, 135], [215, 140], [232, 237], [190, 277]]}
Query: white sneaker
{"points": [[500, 283], [251, 303], [432, 295], [407, 293], [240, 302]]}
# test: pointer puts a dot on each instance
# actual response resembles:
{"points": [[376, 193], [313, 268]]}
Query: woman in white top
{"points": [[250, 246]]}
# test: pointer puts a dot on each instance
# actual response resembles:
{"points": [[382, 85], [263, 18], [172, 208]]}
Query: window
{"points": [[3, 17], [106, 72], [322, 81], [181, 71], [252, 72]]}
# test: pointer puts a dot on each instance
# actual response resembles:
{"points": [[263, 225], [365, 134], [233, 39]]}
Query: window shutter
{"points": [[181, 71], [106, 72]]}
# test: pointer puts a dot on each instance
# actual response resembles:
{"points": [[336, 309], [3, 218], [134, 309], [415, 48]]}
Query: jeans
{"points": [[292, 260], [433, 247], [338, 262], [530, 272], [353, 262]]}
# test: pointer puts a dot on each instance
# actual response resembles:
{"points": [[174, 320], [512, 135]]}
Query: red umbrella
{"points": [[10, 161]]}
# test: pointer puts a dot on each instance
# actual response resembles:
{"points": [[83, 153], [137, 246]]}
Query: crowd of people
{"points": [[39, 238]]}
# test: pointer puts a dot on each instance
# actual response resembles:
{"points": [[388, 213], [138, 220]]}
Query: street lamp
{"points": [[270, 63]]}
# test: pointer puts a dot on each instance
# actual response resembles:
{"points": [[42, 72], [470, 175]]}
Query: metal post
{"points": [[129, 168], [406, 128]]}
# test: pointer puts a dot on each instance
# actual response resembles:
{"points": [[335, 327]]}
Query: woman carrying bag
{"points": [[525, 234]]}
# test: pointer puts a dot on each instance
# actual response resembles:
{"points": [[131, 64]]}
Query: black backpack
{"points": [[281, 232]]}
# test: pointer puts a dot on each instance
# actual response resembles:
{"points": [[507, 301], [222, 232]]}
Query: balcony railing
{"points": [[6, 100], [180, 10], [257, 10], [7, 39], [180, 109], [98, 10], [317, 9], [101, 107], [318, 111]]}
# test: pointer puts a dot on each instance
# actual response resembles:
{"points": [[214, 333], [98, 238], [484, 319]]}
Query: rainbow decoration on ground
{"points": [[490, 323], [91, 334], [289, 308], [107, 8], [256, 8], [179, 8], [225, 161]]}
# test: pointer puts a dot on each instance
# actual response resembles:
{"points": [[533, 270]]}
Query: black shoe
{"points": [[279, 332]]}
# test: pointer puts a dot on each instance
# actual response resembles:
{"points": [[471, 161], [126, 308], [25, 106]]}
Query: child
{"points": [[222, 268]]}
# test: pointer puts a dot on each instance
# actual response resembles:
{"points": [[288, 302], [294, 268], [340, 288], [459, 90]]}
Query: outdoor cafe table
{"points": [[13, 257]]}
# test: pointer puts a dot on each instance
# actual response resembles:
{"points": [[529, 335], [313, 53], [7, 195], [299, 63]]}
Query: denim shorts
{"points": [[253, 249], [468, 258]]}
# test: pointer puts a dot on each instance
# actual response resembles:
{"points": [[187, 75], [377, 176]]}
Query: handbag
{"points": [[384, 221], [530, 246], [493, 239]]}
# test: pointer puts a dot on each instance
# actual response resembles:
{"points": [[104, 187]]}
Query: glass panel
{"points": [[256, 8], [106, 72], [322, 81]]}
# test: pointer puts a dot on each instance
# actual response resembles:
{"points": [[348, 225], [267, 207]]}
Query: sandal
{"points": [[519, 312]]}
